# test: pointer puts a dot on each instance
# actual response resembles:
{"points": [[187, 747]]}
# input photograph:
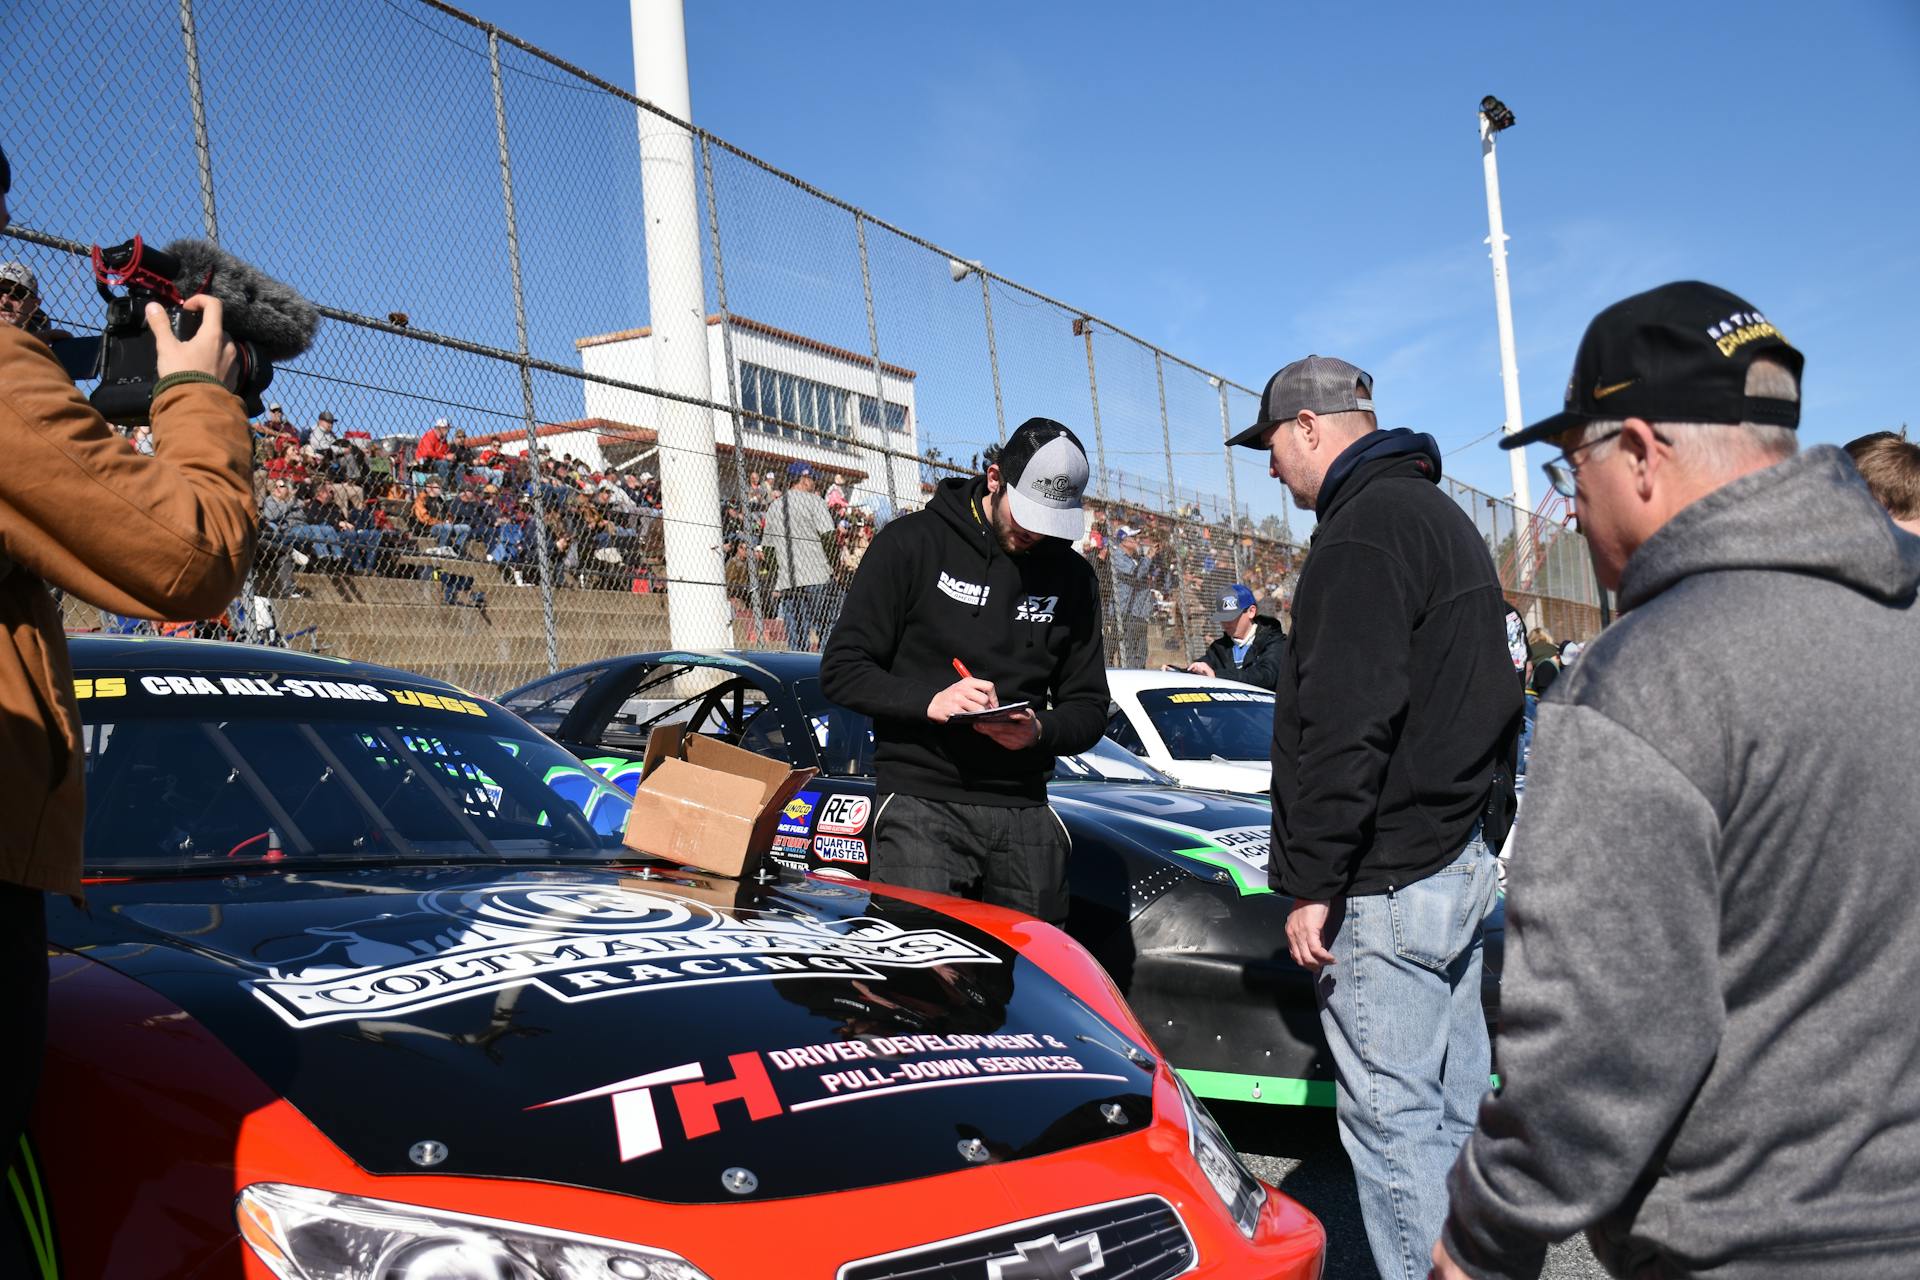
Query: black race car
{"points": [[1169, 885], [367, 987]]}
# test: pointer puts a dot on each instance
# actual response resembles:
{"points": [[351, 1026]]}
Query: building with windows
{"points": [[800, 400]]}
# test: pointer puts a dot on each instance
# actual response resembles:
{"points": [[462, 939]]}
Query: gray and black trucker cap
{"points": [[1320, 384], [1046, 473]]}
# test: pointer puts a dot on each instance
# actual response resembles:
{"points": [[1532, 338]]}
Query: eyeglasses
{"points": [[1563, 473], [14, 291]]}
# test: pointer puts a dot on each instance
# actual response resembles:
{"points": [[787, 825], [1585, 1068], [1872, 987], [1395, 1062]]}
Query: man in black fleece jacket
{"points": [[983, 586], [1395, 700]]}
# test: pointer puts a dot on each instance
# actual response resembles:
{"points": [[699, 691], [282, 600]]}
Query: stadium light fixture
{"points": [[1499, 115]]}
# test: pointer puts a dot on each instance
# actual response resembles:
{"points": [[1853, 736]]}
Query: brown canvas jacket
{"points": [[168, 536]]}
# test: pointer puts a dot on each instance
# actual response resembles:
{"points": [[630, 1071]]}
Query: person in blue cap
{"points": [[1250, 643]]}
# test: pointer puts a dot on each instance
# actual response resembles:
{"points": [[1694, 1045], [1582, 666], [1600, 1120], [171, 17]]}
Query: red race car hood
{"points": [[650, 1037]]}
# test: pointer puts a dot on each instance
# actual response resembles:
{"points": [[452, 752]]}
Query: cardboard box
{"points": [[702, 803]]}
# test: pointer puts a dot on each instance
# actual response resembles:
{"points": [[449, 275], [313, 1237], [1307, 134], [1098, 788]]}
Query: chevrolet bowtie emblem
{"points": [[1601, 393], [1050, 1258]]}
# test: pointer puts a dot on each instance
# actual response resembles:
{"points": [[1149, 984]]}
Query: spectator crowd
{"points": [[338, 502]]}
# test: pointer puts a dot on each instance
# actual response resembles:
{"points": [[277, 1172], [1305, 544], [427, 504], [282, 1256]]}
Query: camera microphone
{"points": [[266, 319], [259, 309]]}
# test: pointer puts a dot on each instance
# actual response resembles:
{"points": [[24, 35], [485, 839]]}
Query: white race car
{"points": [[1208, 733]]}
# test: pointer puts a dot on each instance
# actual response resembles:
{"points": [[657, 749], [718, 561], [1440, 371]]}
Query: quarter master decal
{"points": [[575, 943], [840, 849]]}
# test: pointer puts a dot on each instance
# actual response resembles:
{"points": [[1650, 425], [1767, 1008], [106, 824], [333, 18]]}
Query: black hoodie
{"points": [[1262, 666], [935, 586], [1396, 692]]}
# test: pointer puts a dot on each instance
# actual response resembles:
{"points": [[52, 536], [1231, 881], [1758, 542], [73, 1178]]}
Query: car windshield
{"points": [[1107, 761], [1211, 724], [195, 773], [843, 739]]}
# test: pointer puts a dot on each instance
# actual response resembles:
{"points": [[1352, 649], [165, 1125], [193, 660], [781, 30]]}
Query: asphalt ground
{"points": [[1297, 1149]]}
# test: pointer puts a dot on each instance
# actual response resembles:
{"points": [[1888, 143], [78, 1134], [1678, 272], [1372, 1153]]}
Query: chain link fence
{"points": [[575, 353]]}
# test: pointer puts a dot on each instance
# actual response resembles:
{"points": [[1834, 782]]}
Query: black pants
{"points": [[1007, 857], [23, 1036]]}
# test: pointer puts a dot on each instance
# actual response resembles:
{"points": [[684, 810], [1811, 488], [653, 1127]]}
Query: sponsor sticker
{"points": [[778, 1082], [1219, 695], [843, 815], [797, 818], [840, 849], [576, 943], [227, 686]]}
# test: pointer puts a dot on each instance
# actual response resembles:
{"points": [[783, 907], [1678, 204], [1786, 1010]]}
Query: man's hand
{"points": [[1199, 668], [968, 694], [1444, 1267], [1306, 934], [1016, 733], [209, 350]]}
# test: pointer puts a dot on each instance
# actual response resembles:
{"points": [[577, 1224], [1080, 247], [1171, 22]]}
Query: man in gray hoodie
{"points": [[1708, 1041]]}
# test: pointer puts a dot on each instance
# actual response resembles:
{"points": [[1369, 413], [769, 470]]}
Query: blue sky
{"points": [[1245, 183]]}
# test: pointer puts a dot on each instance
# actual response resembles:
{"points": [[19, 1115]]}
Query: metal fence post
{"points": [[210, 220], [202, 150], [1179, 533], [993, 355], [1233, 489], [1083, 326], [543, 556], [879, 384], [747, 530]]}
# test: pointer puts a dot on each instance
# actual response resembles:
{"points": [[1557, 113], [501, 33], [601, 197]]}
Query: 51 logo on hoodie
{"points": [[1036, 609]]}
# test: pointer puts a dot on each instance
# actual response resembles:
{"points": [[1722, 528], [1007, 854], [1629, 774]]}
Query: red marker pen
{"points": [[961, 667]]}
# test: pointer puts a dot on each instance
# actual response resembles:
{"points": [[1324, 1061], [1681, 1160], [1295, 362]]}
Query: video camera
{"points": [[266, 320]]}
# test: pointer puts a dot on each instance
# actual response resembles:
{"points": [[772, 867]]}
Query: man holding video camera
{"points": [[162, 536]]}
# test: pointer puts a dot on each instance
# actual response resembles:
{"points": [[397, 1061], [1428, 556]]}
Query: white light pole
{"points": [[1494, 118], [699, 616]]}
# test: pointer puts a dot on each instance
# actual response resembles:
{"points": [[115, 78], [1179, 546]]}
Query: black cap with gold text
{"points": [[1679, 353]]}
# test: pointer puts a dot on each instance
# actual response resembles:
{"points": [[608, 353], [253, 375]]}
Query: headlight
{"points": [[1239, 1191], [303, 1234]]}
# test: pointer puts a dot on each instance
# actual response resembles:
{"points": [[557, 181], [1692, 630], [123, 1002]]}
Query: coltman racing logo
{"points": [[576, 942]]}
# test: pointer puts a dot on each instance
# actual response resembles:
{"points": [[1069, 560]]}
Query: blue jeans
{"points": [[448, 533], [324, 537], [804, 610], [363, 546], [1531, 713], [1401, 1010]]}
